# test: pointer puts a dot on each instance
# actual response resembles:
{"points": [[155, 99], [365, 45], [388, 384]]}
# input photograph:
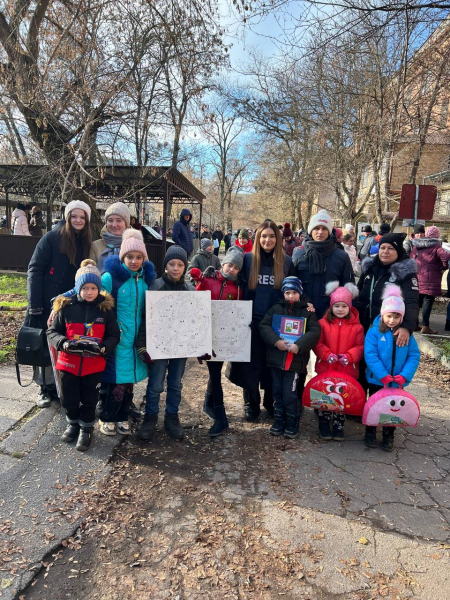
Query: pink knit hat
{"points": [[392, 300], [132, 241], [433, 232], [341, 294]]}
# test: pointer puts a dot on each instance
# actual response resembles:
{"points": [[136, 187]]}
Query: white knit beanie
{"points": [[77, 204], [120, 209], [321, 218]]}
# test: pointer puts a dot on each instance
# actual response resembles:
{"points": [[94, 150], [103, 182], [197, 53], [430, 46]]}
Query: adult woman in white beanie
{"points": [[117, 219], [51, 272], [321, 261]]}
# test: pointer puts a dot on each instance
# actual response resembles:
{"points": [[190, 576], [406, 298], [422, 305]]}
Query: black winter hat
{"points": [[394, 239], [419, 228], [385, 228], [367, 229]]}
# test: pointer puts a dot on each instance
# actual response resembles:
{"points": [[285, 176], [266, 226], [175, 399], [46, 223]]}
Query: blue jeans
{"points": [[284, 391], [155, 386]]}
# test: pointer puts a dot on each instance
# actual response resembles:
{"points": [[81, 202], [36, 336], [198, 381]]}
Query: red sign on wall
{"points": [[427, 199]]}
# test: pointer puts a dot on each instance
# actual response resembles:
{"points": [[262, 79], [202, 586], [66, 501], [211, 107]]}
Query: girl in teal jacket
{"points": [[127, 277]]}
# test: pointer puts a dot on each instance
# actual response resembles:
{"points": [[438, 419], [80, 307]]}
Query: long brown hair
{"points": [[68, 244], [278, 257]]}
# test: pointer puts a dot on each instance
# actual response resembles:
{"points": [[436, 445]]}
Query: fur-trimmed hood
{"points": [[401, 269], [121, 273], [421, 243], [104, 301]]}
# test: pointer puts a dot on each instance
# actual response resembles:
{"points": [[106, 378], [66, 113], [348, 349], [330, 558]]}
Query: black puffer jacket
{"points": [[336, 267], [181, 233], [50, 272], [371, 286], [277, 358]]}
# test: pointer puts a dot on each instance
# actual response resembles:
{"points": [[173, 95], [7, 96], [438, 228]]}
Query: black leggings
{"points": [[215, 382], [426, 304]]}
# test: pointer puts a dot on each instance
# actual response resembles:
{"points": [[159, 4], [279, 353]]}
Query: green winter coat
{"points": [[277, 358]]}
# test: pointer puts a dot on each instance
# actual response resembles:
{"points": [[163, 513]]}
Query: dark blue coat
{"points": [[336, 267], [50, 272], [181, 234]]}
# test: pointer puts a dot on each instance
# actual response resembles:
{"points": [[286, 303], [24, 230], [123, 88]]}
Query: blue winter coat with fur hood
{"points": [[128, 290]]}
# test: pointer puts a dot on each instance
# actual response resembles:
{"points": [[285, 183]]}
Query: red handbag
{"points": [[335, 391]]}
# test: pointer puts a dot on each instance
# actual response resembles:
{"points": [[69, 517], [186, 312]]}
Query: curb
{"points": [[427, 347], [21, 440]]}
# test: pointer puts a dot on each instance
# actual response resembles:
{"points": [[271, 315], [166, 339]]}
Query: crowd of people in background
{"points": [[309, 274]]}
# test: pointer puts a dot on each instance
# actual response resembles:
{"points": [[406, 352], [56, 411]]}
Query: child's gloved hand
{"points": [[196, 274], [72, 347], [202, 358], [332, 359], [294, 349], [387, 379], [144, 356], [343, 359], [281, 346], [399, 379]]}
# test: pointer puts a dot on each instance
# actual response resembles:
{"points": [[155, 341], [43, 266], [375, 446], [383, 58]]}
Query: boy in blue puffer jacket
{"points": [[127, 277], [387, 363]]}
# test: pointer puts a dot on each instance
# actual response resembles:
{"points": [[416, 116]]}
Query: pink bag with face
{"points": [[391, 407]]}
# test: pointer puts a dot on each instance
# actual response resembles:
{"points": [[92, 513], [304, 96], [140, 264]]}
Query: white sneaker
{"points": [[123, 427], [107, 428]]}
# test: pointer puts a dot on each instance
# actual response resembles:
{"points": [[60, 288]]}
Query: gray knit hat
{"points": [[120, 209], [175, 252], [235, 256], [205, 243]]}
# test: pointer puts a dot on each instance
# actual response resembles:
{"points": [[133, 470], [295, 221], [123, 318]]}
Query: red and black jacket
{"points": [[221, 288], [78, 317]]}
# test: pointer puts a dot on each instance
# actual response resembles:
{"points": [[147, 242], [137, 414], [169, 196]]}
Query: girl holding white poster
{"points": [[175, 264], [224, 285]]}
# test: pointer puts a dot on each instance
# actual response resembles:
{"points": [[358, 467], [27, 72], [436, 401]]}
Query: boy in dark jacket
{"points": [[287, 361], [85, 331]]}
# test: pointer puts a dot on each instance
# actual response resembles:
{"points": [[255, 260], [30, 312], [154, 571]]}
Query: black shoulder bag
{"points": [[32, 350]]}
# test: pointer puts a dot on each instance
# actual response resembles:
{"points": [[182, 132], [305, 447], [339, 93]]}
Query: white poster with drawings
{"points": [[231, 334], [178, 324]]}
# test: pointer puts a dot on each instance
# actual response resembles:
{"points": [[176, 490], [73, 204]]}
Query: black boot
{"points": [[251, 405], [148, 427], [338, 422], [71, 433], [387, 443], [279, 423], [220, 422], [324, 427], [53, 393], [134, 412], [370, 438], [44, 399], [173, 426], [208, 406], [292, 426], [84, 438]]}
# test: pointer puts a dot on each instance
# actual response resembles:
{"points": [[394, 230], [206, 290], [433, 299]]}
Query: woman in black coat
{"points": [[51, 272]]}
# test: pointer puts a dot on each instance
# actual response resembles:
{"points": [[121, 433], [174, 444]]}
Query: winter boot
{"points": [[279, 423], [148, 427], [173, 426], [208, 406], [134, 412], [370, 438], [251, 405], [292, 426], [84, 438], [428, 331], [338, 422], [220, 423], [44, 399], [324, 427], [71, 433], [387, 443]]}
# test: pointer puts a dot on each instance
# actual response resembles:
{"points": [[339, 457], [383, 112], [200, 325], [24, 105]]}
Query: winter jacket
{"points": [[217, 235], [370, 241], [162, 284], [227, 241], [36, 224], [264, 295], [73, 315], [290, 246], [408, 246], [128, 290], [372, 282], [181, 233], [351, 251], [221, 288], [277, 358], [206, 235], [336, 267], [248, 246], [202, 260], [342, 336], [432, 260], [383, 356], [19, 223], [50, 273]]}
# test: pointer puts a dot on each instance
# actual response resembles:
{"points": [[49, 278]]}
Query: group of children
{"points": [[100, 333]]}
